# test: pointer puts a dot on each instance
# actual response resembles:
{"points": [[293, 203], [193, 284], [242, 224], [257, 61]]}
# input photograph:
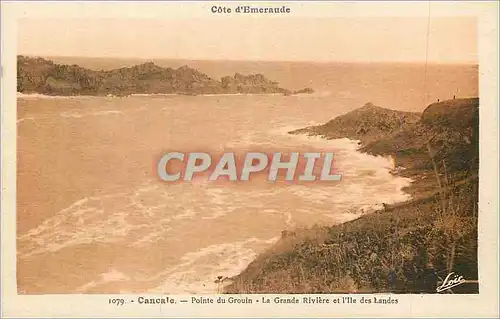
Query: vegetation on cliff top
{"points": [[38, 75], [408, 247]]}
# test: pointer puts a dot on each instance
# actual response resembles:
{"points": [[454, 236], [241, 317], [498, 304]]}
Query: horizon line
{"points": [[146, 59]]}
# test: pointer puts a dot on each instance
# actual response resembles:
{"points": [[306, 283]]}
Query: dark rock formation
{"points": [[304, 91], [37, 75], [368, 123], [449, 128], [250, 84]]}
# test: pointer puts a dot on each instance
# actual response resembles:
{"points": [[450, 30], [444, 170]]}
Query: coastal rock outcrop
{"points": [[38, 75], [304, 91], [449, 128], [249, 84], [391, 249], [368, 123]]}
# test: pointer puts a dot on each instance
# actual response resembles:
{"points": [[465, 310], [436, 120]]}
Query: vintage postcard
{"points": [[249, 159]]}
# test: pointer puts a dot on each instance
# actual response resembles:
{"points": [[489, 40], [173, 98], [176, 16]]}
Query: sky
{"points": [[354, 39]]}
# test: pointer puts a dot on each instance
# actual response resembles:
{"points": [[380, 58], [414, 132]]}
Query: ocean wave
{"points": [[76, 114], [154, 214], [22, 119], [195, 275], [201, 95], [52, 97], [152, 209], [112, 275]]}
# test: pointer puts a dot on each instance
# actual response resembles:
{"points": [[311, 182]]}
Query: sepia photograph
{"points": [[401, 121], [249, 151]]}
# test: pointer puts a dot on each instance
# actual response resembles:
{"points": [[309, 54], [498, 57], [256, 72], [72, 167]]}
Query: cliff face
{"points": [[37, 75], [449, 131]]}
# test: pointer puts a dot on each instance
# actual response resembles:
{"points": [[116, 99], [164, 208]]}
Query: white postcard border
{"points": [[483, 304]]}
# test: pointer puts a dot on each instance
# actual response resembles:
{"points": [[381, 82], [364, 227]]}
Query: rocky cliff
{"points": [[402, 248], [368, 123], [38, 75], [448, 131], [448, 128]]}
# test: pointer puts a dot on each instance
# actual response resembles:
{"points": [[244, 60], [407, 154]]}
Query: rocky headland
{"points": [[408, 247], [38, 75], [368, 123]]}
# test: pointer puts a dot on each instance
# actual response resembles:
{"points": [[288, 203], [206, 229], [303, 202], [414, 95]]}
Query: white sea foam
{"points": [[149, 212], [112, 275], [202, 95], [28, 118], [38, 96], [80, 114], [195, 275], [152, 211], [151, 94]]}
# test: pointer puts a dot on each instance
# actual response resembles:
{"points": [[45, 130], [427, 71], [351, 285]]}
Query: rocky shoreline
{"points": [[41, 76], [407, 247]]}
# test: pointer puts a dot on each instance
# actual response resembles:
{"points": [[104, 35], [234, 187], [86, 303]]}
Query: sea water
{"points": [[93, 216]]}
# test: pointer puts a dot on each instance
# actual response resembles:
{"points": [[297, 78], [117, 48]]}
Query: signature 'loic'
{"points": [[450, 281]]}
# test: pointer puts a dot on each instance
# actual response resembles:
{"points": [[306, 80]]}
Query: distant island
{"points": [[38, 75]]}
